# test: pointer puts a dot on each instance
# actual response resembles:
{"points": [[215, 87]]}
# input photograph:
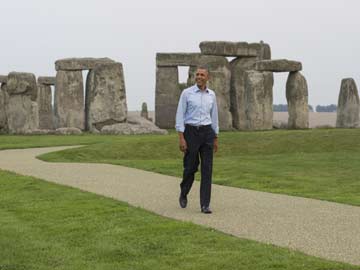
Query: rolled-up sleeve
{"points": [[180, 113], [215, 117]]}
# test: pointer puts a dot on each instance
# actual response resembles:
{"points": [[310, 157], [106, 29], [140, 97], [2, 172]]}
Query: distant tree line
{"points": [[284, 108], [319, 108], [326, 108]]}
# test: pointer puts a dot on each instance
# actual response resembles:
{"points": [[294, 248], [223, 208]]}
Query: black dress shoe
{"points": [[182, 201], [206, 210]]}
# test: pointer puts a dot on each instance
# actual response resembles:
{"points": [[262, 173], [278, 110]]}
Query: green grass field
{"points": [[47, 226]]}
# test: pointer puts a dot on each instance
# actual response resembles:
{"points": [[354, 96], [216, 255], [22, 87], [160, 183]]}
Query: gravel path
{"points": [[319, 228]]}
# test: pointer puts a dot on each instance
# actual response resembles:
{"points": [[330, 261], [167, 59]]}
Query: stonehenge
{"points": [[243, 86], [28, 106], [67, 103], [348, 105]]}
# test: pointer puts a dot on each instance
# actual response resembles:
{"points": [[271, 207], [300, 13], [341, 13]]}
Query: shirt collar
{"points": [[197, 89]]}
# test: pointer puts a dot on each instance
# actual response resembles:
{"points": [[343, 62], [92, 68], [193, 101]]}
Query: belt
{"points": [[198, 127]]}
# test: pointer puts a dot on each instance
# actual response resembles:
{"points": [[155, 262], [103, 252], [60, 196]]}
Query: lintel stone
{"points": [[278, 65], [85, 63], [227, 48], [46, 80], [177, 59]]}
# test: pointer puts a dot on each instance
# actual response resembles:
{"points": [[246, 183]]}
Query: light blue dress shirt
{"points": [[197, 108]]}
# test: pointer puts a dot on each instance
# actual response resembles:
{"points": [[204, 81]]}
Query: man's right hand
{"points": [[182, 145]]}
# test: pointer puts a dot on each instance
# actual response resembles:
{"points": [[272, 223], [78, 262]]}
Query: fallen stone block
{"points": [[68, 131], [134, 125], [279, 65], [80, 63]]}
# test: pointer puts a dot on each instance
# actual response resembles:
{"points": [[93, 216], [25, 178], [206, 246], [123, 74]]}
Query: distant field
{"points": [[315, 119]]}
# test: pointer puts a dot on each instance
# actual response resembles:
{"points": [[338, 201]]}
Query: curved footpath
{"points": [[319, 228]]}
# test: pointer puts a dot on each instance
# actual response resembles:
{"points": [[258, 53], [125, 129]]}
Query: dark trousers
{"points": [[200, 145]]}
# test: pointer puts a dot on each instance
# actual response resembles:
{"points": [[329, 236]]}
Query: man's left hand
{"points": [[216, 144]]}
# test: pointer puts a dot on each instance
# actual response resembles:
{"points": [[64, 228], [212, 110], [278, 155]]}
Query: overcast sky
{"points": [[323, 34]]}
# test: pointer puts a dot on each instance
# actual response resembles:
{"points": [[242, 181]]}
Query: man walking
{"points": [[197, 125]]}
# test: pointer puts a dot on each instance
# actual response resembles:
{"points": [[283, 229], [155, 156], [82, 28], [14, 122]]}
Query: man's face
{"points": [[201, 77]]}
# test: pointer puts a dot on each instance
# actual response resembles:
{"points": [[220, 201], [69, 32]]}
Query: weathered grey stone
{"points": [[177, 59], [297, 98], [348, 105], [105, 96], [134, 125], [278, 124], [167, 94], [265, 51], [3, 79], [68, 131], [21, 107], [22, 114], [219, 81], [237, 91], [226, 48], [21, 83], [3, 101], [279, 65], [144, 111], [46, 80], [259, 100], [69, 100], [80, 63], [46, 115]]}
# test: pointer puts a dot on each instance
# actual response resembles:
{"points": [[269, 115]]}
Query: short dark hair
{"points": [[203, 67]]}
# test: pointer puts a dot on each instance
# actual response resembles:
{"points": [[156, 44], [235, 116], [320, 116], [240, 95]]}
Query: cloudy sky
{"points": [[323, 34]]}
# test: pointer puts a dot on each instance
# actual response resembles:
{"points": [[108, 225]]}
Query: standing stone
{"points": [[144, 111], [258, 100], [239, 66], [167, 94], [69, 100], [21, 108], [297, 99], [3, 101], [219, 81], [105, 96], [46, 118], [348, 105]]}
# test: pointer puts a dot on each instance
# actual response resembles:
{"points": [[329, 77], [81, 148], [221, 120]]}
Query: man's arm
{"points": [[180, 121], [215, 124]]}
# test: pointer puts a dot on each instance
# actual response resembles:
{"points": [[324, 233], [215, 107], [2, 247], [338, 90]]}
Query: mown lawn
{"points": [[321, 164], [48, 226]]}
